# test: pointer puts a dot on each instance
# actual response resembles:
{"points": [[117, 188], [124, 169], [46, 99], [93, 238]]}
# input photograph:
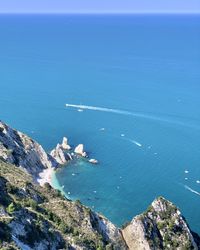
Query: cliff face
{"points": [[22, 151], [40, 218], [161, 227]]}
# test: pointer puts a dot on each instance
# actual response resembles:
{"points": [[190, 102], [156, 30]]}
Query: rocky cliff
{"points": [[40, 218], [22, 151], [161, 227]]}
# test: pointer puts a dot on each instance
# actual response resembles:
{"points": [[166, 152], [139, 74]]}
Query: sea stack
{"points": [[59, 155], [65, 145], [93, 161], [80, 150]]}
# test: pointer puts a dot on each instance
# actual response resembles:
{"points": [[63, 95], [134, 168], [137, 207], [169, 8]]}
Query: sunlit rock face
{"points": [[80, 150], [161, 227], [22, 151]]}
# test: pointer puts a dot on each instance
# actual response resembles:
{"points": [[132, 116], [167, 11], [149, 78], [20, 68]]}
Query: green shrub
{"points": [[33, 204], [11, 208], [160, 225]]}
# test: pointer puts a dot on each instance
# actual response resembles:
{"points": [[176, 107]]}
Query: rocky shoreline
{"points": [[21, 150], [63, 154], [162, 226]]}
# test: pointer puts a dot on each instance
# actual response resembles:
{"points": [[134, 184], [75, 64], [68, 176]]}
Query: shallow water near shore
{"points": [[140, 77]]}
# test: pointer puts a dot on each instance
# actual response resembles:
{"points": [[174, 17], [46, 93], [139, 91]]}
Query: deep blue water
{"points": [[145, 65]]}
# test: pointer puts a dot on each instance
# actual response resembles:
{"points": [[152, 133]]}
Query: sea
{"points": [[132, 88]]}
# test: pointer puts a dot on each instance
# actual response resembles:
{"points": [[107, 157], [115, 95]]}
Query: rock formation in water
{"points": [[93, 161], [40, 218], [80, 150], [60, 154], [65, 144]]}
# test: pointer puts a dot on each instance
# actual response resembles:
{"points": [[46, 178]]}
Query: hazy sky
{"points": [[99, 6]]}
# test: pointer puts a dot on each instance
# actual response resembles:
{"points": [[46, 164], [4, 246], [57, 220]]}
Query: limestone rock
{"points": [[109, 231], [65, 144], [19, 149], [60, 155], [80, 150], [161, 227], [93, 161], [30, 228]]}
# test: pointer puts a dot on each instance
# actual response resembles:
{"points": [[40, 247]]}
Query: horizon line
{"points": [[103, 13]]}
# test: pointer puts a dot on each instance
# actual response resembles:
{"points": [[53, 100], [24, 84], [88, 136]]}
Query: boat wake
{"points": [[102, 109], [191, 190], [136, 143], [128, 113]]}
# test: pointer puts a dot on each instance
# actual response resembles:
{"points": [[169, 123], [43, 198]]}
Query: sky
{"points": [[99, 6]]}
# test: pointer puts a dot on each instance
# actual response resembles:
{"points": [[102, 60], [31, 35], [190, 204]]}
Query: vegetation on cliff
{"points": [[41, 217]]}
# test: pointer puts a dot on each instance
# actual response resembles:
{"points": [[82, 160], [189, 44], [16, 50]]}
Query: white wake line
{"points": [[135, 142], [191, 190], [123, 112], [102, 109]]}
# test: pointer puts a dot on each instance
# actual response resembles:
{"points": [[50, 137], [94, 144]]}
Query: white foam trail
{"points": [[132, 141], [102, 109], [124, 112], [192, 190], [136, 143]]}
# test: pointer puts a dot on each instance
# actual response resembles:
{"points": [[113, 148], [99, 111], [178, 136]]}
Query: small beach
{"points": [[46, 176]]}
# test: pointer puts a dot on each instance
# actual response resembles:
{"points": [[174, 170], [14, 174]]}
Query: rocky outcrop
{"points": [[40, 218], [65, 144], [161, 227], [34, 217], [22, 151], [60, 153], [93, 161], [80, 150], [109, 231]]}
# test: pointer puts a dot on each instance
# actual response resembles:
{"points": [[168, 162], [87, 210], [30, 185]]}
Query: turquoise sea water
{"points": [[147, 66]]}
